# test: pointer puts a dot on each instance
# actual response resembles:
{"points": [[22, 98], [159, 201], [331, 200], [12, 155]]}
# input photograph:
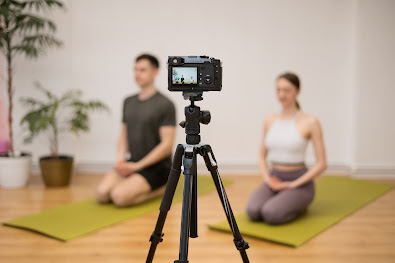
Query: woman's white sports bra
{"points": [[285, 144]]}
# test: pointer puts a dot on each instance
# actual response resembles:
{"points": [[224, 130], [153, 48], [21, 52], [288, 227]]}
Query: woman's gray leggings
{"points": [[283, 206]]}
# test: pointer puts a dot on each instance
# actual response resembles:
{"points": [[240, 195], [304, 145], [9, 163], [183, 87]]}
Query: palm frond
{"points": [[97, 106], [29, 22], [27, 50], [41, 40], [6, 11], [90, 105], [16, 4], [79, 122], [31, 102], [41, 4], [38, 120], [71, 95], [47, 92]]}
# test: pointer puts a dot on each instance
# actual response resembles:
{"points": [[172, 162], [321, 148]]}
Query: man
{"points": [[148, 131]]}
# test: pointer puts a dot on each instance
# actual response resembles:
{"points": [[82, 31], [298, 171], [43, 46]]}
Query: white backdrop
{"points": [[328, 43]]}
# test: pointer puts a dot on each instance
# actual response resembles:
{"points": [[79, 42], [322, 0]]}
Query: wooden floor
{"points": [[366, 236]]}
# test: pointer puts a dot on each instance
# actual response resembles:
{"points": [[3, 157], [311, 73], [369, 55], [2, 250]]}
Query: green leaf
{"points": [[90, 105], [97, 105], [41, 41], [79, 122], [30, 102], [37, 121], [47, 92], [28, 22], [6, 11], [39, 5], [71, 95], [27, 50]]}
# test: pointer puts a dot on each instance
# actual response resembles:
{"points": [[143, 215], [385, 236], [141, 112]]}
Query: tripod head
{"points": [[193, 117]]}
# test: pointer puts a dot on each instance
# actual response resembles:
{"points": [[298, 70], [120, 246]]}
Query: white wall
{"points": [[319, 40], [375, 135]]}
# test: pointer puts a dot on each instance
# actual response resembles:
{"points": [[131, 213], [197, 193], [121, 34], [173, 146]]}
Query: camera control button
{"points": [[207, 79]]}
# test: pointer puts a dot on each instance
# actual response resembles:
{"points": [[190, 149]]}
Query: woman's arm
{"points": [[319, 149], [263, 151]]}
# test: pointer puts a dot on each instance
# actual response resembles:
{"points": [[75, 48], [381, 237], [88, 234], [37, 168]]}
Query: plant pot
{"points": [[14, 171], [56, 171], [4, 146]]}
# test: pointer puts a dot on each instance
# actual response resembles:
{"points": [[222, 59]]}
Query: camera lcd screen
{"points": [[184, 75]]}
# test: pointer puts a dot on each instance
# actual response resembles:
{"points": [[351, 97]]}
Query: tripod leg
{"points": [[193, 226], [211, 164], [167, 199], [189, 170]]}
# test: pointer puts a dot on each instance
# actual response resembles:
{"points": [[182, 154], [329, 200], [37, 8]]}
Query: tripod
{"points": [[186, 154]]}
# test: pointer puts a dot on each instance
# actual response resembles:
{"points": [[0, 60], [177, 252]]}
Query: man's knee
{"points": [[103, 190], [123, 198], [100, 197], [118, 197], [102, 194]]}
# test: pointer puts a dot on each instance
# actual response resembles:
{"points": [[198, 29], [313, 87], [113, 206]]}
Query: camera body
{"points": [[194, 74]]}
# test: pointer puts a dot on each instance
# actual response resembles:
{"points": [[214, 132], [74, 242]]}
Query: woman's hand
{"points": [[126, 168], [277, 184]]}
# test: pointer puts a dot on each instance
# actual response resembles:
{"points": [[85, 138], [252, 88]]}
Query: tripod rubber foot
{"points": [[241, 244], [181, 261], [156, 238]]}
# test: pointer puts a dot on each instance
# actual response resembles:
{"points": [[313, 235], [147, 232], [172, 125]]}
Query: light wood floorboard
{"points": [[368, 235]]}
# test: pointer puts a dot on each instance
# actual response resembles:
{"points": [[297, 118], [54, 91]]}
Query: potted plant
{"points": [[54, 116], [23, 31]]}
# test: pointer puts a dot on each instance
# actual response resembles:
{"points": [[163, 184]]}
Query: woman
{"points": [[288, 188]]}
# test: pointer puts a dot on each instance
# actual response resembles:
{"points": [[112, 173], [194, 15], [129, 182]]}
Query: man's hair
{"points": [[153, 60]]}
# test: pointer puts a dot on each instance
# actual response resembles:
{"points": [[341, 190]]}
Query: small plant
{"points": [[67, 113]]}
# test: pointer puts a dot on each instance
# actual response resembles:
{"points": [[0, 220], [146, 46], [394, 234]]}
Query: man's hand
{"points": [[126, 168], [277, 184]]}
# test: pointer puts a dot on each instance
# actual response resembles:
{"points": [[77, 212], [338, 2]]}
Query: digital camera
{"points": [[194, 73]]}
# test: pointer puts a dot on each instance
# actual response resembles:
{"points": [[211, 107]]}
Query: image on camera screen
{"points": [[184, 75]]}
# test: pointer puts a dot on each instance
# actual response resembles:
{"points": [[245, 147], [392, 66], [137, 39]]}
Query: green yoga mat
{"points": [[336, 198], [77, 219]]}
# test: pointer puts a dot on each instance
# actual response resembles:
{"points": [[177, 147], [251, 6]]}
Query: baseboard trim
{"points": [[369, 171], [360, 171]]}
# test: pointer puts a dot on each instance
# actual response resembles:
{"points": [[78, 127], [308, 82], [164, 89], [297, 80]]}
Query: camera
{"points": [[194, 73]]}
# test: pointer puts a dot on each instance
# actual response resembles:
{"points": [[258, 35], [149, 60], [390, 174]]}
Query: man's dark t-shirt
{"points": [[143, 118]]}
